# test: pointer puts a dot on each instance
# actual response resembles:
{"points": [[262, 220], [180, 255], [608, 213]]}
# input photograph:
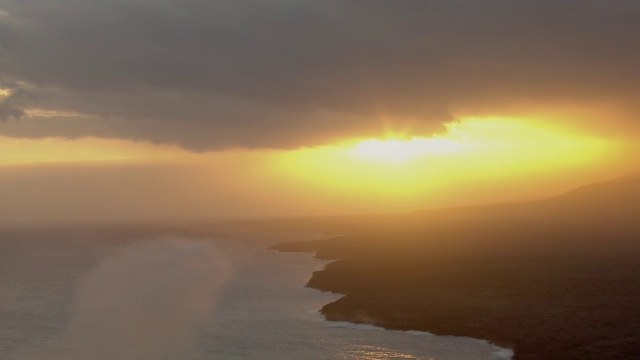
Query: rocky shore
{"points": [[553, 308]]}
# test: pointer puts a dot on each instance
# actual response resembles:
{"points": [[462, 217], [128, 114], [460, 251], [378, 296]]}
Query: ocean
{"points": [[83, 294]]}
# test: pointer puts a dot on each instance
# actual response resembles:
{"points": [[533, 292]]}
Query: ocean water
{"points": [[81, 295]]}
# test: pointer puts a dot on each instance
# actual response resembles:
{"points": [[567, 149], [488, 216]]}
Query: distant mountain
{"points": [[606, 204], [622, 190], [615, 200]]}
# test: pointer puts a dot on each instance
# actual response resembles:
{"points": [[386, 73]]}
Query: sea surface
{"points": [[81, 295]]}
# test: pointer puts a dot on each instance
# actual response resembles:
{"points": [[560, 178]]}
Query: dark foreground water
{"points": [[78, 296]]}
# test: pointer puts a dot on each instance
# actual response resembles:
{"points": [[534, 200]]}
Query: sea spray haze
{"points": [[146, 302]]}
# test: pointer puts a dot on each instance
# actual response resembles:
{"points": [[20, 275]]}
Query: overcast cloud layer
{"points": [[287, 73]]}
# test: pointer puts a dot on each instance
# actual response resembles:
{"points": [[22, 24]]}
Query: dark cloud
{"points": [[11, 105], [286, 73]]}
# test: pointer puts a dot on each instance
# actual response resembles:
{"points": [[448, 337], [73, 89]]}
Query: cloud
{"points": [[11, 105], [286, 73]]}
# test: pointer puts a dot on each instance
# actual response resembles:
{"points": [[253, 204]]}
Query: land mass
{"points": [[554, 279]]}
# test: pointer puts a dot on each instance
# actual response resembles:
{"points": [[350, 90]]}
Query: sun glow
{"points": [[401, 150], [472, 151], [474, 161]]}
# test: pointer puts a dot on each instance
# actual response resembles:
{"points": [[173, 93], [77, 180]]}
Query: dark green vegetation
{"points": [[555, 279]]}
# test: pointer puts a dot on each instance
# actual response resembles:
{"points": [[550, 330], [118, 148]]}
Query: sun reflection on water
{"points": [[369, 352]]}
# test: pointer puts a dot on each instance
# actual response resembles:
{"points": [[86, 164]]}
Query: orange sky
{"points": [[473, 161]]}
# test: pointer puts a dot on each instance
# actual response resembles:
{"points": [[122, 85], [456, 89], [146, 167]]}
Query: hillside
{"points": [[553, 279]]}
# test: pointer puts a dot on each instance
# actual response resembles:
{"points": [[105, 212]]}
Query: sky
{"points": [[167, 109]]}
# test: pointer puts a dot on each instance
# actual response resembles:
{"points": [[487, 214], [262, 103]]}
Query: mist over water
{"points": [[147, 302]]}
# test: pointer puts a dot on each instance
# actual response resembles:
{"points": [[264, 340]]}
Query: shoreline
{"points": [[499, 353], [503, 349], [389, 325], [540, 307]]}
